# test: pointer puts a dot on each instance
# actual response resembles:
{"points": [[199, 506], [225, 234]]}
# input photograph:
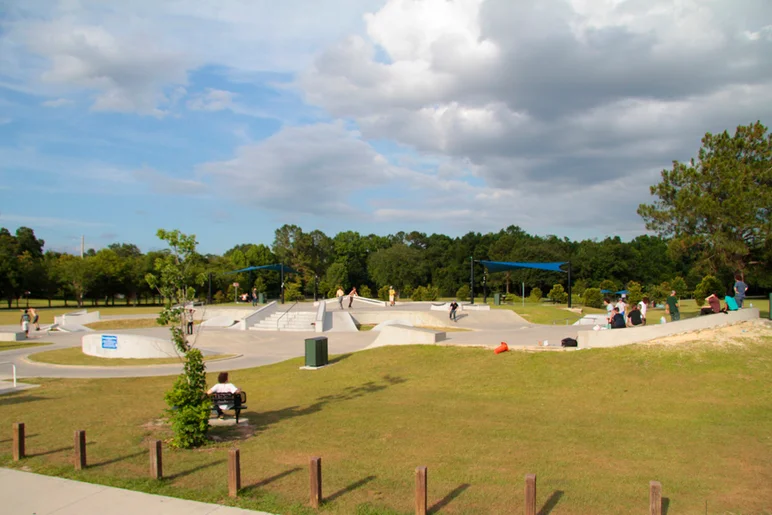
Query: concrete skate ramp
{"points": [[340, 322], [219, 321], [406, 335], [74, 328], [380, 326]]}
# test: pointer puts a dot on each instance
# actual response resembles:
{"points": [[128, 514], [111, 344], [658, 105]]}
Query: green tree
{"points": [[463, 292], [399, 265], [610, 285], [558, 294], [708, 285], [717, 207], [591, 297], [634, 293], [679, 285], [364, 291], [535, 295], [174, 279]]}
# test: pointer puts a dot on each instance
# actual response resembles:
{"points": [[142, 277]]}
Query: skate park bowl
{"points": [[127, 346]]}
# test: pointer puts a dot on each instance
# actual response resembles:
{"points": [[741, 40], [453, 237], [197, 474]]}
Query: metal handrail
{"points": [[14, 370], [282, 316]]}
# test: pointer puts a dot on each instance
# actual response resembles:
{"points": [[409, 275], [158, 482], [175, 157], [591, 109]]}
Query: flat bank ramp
{"points": [[398, 334]]}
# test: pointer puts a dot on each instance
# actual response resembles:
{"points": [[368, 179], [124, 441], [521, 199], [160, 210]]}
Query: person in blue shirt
{"points": [[617, 320], [739, 290]]}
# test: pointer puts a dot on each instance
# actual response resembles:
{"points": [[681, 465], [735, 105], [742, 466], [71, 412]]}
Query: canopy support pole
{"points": [[471, 279]]}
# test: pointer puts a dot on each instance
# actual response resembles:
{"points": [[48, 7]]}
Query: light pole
{"points": [[485, 290], [316, 287]]}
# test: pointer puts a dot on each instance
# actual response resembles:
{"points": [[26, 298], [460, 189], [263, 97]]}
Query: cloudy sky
{"points": [[230, 118]]}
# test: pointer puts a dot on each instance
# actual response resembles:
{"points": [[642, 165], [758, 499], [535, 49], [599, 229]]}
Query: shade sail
{"points": [[276, 268], [501, 266]]}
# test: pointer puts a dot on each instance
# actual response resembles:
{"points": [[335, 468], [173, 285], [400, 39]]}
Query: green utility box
{"points": [[261, 298], [316, 351], [497, 298]]}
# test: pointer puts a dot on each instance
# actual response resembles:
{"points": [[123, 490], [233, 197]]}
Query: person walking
{"points": [[392, 294], [340, 295], [189, 316], [453, 308], [351, 295], [739, 290], [25, 322], [672, 307]]}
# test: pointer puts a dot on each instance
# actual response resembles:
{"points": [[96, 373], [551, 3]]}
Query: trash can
{"points": [[261, 298], [497, 298], [316, 351]]}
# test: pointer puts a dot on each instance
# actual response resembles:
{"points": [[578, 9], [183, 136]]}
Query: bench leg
{"points": [[237, 415]]}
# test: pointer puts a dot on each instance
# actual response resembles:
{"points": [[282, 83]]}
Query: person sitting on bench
{"points": [[223, 386]]}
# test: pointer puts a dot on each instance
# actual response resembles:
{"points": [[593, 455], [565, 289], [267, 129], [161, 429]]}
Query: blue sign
{"points": [[109, 342]]}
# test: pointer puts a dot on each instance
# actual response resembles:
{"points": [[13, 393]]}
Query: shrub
{"points": [[219, 297], [364, 291], [292, 292], [383, 292], [634, 293], [463, 292], [431, 293], [657, 293], [259, 285], [558, 294], [418, 294], [535, 295], [513, 298], [708, 285], [190, 407], [609, 285], [592, 297], [579, 287]]}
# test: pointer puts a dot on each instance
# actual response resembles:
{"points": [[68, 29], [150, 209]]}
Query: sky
{"points": [[230, 118]]}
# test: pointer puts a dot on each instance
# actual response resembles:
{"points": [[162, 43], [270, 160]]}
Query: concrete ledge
{"points": [[618, 337], [474, 307], [12, 336], [405, 335], [75, 318]]}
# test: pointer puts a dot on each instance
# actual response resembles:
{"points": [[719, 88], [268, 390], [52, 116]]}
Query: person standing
{"points": [[622, 305], [254, 297], [643, 306], [190, 320], [392, 294], [453, 308], [340, 295], [25, 323], [739, 289], [35, 317], [672, 307], [351, 295]]}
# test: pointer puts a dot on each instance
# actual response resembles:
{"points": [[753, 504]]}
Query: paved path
{"points": [[256, 348], [24, 493]]}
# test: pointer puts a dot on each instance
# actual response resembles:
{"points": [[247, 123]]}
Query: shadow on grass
{"points": [[116, 460], [46, 453], [449, 498], [350, 488], [267, 418], [665, 505], [195, 469], [269, 480], [339, 357], [18, 398], [551, 503]]}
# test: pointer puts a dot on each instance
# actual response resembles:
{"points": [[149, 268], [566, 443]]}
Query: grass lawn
{"points": [[594, 425], [75, 356], [127, 323], [12, 316], [20, 345], [544, 313]]}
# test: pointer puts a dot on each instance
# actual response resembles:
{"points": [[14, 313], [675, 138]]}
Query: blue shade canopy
{"points": [[605, 291], [276, 268], [622, 292], [501, 266]]}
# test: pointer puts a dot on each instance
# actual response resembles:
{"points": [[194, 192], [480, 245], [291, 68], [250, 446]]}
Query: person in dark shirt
{"points": [[453, 308], [672, 307], [634, 317], [617, 320]]}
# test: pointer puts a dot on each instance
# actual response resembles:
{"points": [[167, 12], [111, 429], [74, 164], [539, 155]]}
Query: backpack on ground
{"points": [[569, 342]]}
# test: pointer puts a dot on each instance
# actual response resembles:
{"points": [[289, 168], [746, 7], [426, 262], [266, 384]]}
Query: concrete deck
{"points": [[26, 493]]}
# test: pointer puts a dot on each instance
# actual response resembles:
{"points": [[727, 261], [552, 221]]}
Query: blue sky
{"points": [[229, 119]]}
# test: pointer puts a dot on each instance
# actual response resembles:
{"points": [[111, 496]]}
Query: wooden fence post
{"points": [[80, 450], [530, 494], [315, 475], [156, 460], [421, 491], [655, 498], [18, 441], [234, 472]]}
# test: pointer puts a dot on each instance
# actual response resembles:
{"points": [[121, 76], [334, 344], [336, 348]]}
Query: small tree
{"points": [[174, 280], [418, 294], [634, 292], [364, 291], [679, 285], [579, 287], [657, 293], [259, 285], [592, 297], [535, 295], [708, 285], [558, 294], [463, 292], [608, 284], [383, 293]]}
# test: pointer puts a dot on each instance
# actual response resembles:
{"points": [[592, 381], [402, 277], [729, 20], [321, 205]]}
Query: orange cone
{"points": [[501, 348]]}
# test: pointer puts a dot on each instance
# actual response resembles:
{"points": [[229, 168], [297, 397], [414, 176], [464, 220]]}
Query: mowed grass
{"points": [[75, 356], [595, 426], [20, 345], [128, 323], [13, 316]]}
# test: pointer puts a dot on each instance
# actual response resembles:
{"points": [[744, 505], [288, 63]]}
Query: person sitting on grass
{"points": [[617, 320], [634, 317], [222, 386]]}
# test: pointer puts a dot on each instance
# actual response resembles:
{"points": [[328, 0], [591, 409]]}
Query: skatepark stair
{"points": [[289, 321]]}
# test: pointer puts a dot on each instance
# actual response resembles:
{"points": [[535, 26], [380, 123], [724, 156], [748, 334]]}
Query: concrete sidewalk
{"points": [[24, 493]]}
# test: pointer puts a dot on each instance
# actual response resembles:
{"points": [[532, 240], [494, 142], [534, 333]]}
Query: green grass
{"points": [[75, 356], [127, 323], [12, 316], [20, 345], [595, 426], [544, 313]]}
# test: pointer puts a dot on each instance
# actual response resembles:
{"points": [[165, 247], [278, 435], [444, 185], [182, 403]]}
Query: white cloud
{"points": [[47, 222], [59, 102], [165, 184]]}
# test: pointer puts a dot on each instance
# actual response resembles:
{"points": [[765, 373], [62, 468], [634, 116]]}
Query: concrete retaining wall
{"points": [[254, 317], [406, 335], [628, 335], [106, 345], [321, 323], [12, 336]]}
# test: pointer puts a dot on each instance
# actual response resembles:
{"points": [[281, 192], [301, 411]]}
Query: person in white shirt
{"points": [[621, 306], [222, 386], [643, 305]]}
